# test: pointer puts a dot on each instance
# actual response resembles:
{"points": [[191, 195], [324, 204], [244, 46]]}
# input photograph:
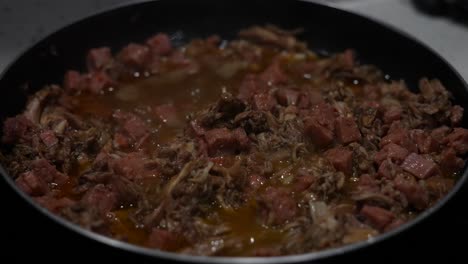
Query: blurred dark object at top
{"points": [[457, 9]]}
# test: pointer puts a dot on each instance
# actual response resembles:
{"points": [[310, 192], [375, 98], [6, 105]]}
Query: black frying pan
{"points": [[36, 232]]}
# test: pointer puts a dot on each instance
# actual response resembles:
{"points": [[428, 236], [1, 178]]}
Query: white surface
{"points": [[23, 22]]}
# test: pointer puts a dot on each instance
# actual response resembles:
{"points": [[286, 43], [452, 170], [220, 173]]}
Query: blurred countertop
{"points": [[23, 22]]}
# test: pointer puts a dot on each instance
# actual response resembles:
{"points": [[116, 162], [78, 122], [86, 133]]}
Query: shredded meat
{"points": [[250, 147]]}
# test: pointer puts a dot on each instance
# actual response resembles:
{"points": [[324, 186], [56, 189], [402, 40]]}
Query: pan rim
{"points": [[312, 256]]}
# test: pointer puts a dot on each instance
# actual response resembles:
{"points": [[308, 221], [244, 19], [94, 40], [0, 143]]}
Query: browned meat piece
{"points": [[458, 140], [419, 166], [416, 194], [98, 58], [160, 44], [377, 216], [347, 130], [277, 206], [393, 152], [341, 158]]}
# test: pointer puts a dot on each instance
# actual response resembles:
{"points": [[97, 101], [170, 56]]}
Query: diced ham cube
{"points": [[134, 54], [440, 133], [388, 170], [277, 206], [223, 140], [377, 216], [136, 128], [449, 160], [346, 130], [458, 140], [419, 166], [16, 129], [399, 136], [392, 114], [30, 183], [426, 144], [416, 195], [43, 169], [273, 74], [367, 183], [341, 158], [287, 97], [456, 115], [393, 152], [133, 166], [121, 141], [132, 124], [98, 58], [318, 133], [73, 81], [48, 138], [264, 102], [303, 182], [439, 186], [102, 198], [160, 44], [97, 81], [320, 125]]}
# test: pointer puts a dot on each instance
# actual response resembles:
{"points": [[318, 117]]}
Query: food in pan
{"points": [[251, 147]]}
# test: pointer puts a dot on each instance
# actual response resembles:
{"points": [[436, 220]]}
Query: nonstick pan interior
{"points": [[326, 30]]}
